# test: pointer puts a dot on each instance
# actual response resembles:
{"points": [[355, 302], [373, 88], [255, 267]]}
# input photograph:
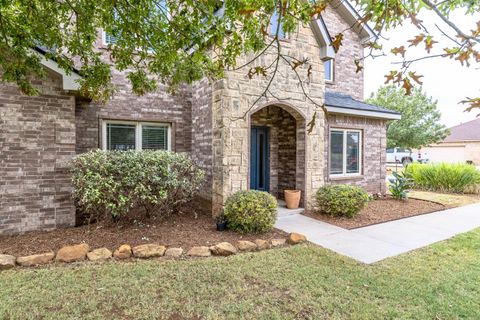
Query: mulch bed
{"points": [[179, 230], [382, 210]]}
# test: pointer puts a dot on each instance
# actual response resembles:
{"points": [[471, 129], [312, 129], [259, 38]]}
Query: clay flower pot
{"points": [[292, 198]]}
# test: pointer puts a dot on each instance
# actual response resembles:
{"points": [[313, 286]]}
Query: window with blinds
{"points": [[154, 137], [124, 135], [110, 39], [120, 136]]}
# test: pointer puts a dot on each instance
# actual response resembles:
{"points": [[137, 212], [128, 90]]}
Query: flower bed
{"points": [[180, 236], [382, 210]]}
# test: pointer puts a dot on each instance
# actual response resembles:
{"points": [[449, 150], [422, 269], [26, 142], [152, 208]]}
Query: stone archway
{"points": [[286, 150]]}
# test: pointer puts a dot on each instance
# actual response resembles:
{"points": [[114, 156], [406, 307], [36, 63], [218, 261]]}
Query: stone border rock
{"points": [[82, 252]]}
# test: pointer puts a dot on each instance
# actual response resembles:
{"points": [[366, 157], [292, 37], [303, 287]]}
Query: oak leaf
{"points": [[311, 124], [399, 50], [319, 8], [337, 42], [389, 77], [407, 85], [463, 56], [416, 22], [358, 65], [415, 41], [416, 77], [429, 42]]}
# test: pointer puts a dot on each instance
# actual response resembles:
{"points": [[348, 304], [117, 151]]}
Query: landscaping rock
{"points": [[101, 254], [262, 244], [223, 249], [148, 251], [244, 245], [277, 242], [174, 252], [6, 261], [199, 252], [123, 252], [296, 238], [73, 253], [36, 259]]}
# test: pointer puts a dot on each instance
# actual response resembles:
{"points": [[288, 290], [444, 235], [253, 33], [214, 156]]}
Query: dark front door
{"points": [[259, 159]]}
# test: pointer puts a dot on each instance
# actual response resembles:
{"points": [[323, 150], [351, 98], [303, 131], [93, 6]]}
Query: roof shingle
{"points": [[468, 131]]}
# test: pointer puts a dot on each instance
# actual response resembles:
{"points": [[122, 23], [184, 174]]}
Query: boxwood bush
{"points": [[251, 211], [341, 200], [112, 183], [444, 177]]}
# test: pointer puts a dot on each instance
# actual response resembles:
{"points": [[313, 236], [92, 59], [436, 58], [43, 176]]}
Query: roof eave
{"points": [[70, 81], [323, 38], [352, 16], [363, 113]]}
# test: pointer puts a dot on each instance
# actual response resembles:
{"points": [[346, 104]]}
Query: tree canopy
{"points": [[180, 41], [419, 125]]}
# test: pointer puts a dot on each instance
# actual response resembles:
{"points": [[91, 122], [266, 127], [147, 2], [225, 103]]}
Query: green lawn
{"points": [[304, 282]]}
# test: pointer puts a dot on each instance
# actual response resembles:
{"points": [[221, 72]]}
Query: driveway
{"points": [[377, 242]]}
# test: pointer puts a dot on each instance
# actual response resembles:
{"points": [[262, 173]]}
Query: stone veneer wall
{"points": [[346, 79], [37, 139], [283, 171], [234, 100], [202, 150], [373, 152]]}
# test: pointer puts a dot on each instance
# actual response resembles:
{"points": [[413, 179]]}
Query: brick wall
{"points": [[374, 146], [159, 106], [346, 79], [37, 139]]}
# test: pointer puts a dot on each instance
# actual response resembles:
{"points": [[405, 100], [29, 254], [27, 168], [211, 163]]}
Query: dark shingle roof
{"points": [[468, 131], [341, 100]]}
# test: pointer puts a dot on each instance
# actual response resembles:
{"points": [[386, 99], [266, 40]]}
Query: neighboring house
{"points": [[462, 145], [266, 147]]}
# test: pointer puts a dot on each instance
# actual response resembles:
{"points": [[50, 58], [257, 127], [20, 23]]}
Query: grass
{"points": [[449, 200], [303, 282]]}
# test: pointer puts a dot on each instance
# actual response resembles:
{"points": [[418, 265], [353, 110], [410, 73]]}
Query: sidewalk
{"points": [[377, 242]]}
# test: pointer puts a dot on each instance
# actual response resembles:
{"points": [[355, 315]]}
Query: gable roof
{"points": [[468, 131], [341, 103], [70, 80], [352, 17]]}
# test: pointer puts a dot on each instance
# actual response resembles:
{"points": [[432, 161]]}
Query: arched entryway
{"points": [[277, 150]]}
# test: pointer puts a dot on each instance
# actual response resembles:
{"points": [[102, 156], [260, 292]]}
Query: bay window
{"points": [[127, 135], [345, 152]]}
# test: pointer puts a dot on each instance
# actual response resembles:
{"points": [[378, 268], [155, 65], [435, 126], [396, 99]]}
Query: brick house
{"points": [[265, 147]]}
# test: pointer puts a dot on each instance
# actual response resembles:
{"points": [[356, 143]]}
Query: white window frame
{"points": [[104, 39], [344, 166], [138, 132], [331, 76]]}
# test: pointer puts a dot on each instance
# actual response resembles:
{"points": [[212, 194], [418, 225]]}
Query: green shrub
{"points": [[112, 183], [251, 211], [444, 177], [399, 186], [342, 200]]}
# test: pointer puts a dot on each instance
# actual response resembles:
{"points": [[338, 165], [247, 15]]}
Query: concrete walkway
{"points": [[377, 242]]}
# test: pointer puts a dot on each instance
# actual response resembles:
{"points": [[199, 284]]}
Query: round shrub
{"points": [[112, 183], [342, 200], [251, 211]]}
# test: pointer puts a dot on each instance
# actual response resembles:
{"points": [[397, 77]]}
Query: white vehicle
{"points": [[405, 156]]}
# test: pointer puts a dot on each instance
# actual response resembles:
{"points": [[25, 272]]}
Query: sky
{"points": [[444, 79]]}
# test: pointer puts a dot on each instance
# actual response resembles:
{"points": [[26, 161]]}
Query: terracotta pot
{"points": [[292, 198]]}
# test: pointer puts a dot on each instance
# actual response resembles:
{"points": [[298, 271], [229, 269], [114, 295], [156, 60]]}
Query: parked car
{"points": [[406, 156]]}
